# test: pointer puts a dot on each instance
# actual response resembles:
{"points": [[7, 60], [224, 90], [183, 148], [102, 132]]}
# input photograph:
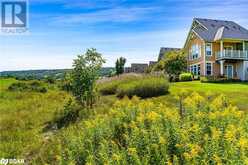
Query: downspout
{"points": [[204, 59]]}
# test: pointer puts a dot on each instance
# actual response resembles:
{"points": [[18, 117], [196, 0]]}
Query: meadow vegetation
{"points": [[176, 128], [23, 115], [210, 131]]}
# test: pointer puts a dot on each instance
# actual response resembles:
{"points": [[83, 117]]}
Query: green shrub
{"points": [[217, 79], [69, 115], [186, 77], [144, 88], [33, 86]]}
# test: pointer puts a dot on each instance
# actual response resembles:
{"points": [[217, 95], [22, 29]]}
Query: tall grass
{"points": [[23, 116], [143, 86]]}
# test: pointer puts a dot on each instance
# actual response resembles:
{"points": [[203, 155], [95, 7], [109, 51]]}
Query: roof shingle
{"points": [[220, 29]]}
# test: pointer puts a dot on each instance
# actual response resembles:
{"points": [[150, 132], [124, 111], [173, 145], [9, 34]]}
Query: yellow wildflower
{"points": [[116, 157], [230, 133], [132, 151], [215, 133], [187, 156], [243, 143], [162, 140], [217, 159], [152, 116]]}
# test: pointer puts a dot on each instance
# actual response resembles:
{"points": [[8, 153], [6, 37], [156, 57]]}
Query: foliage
{"points": [[50, 79], [66, 83], [33, 86], [84, 75], [173, 64], [185, 77], [56, 74], [146, 87], [112, 73], [142, 132], [68, 116], [216, 79], [119, 65]]}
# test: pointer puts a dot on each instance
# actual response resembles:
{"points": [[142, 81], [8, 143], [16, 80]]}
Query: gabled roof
{"points": [[212, 30], [164, 50]]}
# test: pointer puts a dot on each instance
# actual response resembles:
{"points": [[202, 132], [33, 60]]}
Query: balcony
{"points": [[232, 54]]}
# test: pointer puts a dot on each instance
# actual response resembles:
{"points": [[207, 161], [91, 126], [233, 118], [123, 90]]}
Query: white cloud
{"points": [[119, 14]]}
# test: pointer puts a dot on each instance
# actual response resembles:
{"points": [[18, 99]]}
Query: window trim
{"points": [[211, 45], [196, 65], [209, 62], [198, 49]]}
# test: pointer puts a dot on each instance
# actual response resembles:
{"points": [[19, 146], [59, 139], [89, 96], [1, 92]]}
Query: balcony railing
{"points": [[232, 54]]}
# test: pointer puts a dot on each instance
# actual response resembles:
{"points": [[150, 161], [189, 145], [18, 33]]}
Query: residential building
{"points": [[139, 67], [217, 48], [152, 63]]}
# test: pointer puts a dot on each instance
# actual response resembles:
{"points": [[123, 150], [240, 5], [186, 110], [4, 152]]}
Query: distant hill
{"points": [[40, 74]]}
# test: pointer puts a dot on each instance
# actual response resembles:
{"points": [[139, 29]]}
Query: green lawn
{"points": [[236, 92]]}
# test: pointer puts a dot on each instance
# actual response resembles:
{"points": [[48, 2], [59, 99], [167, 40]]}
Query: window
{"points": [[209, 49], [195, 69], [195, 51], [199, 69], [191, 69], [209, 69]]}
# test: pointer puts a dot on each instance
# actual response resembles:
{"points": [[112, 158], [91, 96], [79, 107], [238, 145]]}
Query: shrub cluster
{"points": [[34, 86], [142, 86], [142, 132], [186, 77], [67, 116]]}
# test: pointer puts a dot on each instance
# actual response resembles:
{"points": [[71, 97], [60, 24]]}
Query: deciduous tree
{"points": [[85, 72]]}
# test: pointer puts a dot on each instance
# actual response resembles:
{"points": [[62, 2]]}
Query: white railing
{"points": [[232, 54]]}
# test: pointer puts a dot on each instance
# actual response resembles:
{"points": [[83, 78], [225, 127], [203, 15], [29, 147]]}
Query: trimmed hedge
{"points": [[186, 77], [144, 88], [217, 79]]}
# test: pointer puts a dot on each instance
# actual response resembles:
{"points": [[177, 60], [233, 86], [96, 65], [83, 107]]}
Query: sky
{"points": [[59, 30]]}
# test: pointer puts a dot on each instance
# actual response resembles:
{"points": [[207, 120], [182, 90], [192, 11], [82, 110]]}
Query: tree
{"points": [[85, 72], [173, 64], [119, 65]]}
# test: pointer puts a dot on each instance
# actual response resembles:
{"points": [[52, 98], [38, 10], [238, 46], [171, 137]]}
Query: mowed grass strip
{"points": [[237, 93]]}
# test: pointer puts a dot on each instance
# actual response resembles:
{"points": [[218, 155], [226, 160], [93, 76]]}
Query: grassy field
{"points": [[23, 115]]}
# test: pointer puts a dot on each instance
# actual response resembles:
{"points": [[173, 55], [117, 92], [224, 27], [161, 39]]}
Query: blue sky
{"points": [[135, 29]]}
